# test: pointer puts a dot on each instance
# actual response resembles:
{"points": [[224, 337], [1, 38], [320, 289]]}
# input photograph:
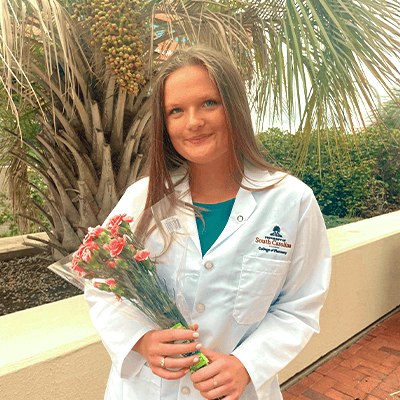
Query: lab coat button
{"points": [[200, 307], [240, 218], [185, 391], [208, 265]]}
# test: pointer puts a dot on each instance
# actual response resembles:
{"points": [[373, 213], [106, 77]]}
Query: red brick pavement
{"points": [[369, 369]]}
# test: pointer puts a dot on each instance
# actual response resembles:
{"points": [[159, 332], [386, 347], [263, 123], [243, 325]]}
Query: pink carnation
{"points": [[111, 283], [85, 250], [111, 264], [127, 218], [74, 264], [142, 254], [86, 254], [115, 222], [115, 246], [78, 254], [92, 233], [76, 268], [96, 285]]}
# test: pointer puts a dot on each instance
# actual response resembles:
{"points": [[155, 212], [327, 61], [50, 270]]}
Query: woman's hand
{"points": [[225, 377], [158, 349]]}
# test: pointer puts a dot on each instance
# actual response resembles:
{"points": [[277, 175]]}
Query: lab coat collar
{"points": [[244, 206], [254, 179]]}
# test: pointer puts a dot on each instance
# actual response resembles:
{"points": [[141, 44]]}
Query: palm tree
{"points": [[87, 68]]}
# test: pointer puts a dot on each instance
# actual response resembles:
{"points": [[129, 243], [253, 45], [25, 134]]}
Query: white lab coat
{"points": [[256, 293]]}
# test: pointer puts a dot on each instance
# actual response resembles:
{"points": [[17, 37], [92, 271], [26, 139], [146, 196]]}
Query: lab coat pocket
{"points": [[260, 281]]}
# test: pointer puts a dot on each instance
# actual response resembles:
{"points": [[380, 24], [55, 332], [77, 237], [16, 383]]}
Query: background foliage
{"points": [[357, 176], [29, 195], [390, 111]]}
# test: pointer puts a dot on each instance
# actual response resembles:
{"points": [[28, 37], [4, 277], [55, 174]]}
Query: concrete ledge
{"points": [[52, 352], [14, 247]]}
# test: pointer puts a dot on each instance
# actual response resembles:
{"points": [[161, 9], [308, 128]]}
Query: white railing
{"points": [[53, 352]]}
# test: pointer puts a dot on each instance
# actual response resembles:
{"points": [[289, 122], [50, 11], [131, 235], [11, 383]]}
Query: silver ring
{"points": [[215, 384], [162, 363]]}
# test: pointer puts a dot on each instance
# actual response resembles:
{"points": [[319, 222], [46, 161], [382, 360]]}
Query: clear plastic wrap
{"points": [[113, 262]]}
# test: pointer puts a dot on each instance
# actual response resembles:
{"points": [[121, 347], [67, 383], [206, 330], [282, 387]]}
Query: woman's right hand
{"points": [[160, 351]]}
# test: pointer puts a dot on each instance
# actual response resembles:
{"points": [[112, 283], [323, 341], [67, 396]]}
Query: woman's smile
{"points": [[195, 116], [198, 139]]}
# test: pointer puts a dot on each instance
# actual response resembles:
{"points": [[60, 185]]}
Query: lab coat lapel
{"points": [[244, 206], [245, 202], [187, 217], [242, 209]]}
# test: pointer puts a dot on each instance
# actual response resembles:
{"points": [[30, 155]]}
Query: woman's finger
{"points": [[163, 354], [210, 384], [172, 363], [194, 327], [214, 389], [177, 349], [225, 376], [172, 335], [171, 367], [167, 343]]}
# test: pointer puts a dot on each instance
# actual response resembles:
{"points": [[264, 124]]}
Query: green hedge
{"points": [[351, 176]]}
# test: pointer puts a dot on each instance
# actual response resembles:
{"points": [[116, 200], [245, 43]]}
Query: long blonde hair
{"points": [[163, 157]]}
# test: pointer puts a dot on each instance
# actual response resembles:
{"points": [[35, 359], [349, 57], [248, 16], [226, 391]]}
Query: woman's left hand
{"points": [[225, 376]]}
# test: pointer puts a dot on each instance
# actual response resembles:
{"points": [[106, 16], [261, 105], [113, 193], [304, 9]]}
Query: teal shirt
{"points": [[215, 221]]}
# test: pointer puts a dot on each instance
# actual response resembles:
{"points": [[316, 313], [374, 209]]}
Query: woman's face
{"points": [[195, 116]]}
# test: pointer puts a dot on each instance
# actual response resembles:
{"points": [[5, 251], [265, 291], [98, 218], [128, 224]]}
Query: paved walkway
{"points": [[369, 369]]}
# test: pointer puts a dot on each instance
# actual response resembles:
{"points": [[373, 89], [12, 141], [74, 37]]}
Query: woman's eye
{"points": [[176, 110], [210, 103]]}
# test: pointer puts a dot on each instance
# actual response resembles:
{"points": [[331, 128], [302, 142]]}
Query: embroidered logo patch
{"points": [[274, 242], [276, 231]]}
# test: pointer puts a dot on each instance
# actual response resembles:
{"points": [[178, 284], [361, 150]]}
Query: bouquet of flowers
{"points": [[113, 260]]}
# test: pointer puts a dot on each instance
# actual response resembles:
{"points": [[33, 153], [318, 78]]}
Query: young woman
{"points": [[257, 262]]}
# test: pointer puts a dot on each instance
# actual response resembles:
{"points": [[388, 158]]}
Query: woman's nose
{"points": [[194, 120]]}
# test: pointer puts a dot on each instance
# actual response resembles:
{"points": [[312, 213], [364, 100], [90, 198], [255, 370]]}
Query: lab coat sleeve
{"points": [[293, 317], [118, 332]]}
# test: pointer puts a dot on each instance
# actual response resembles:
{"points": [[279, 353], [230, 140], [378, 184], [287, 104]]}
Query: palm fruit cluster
{"points": [[116, 26]]}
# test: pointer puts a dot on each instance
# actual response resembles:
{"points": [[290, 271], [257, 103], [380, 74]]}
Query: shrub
{"points": [[354, 176]]}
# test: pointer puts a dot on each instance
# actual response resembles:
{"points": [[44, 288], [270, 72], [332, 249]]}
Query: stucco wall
{"points": [[53, 352]]}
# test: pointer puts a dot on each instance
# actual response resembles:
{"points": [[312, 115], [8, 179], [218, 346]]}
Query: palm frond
{"points": [[320, 60]]}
